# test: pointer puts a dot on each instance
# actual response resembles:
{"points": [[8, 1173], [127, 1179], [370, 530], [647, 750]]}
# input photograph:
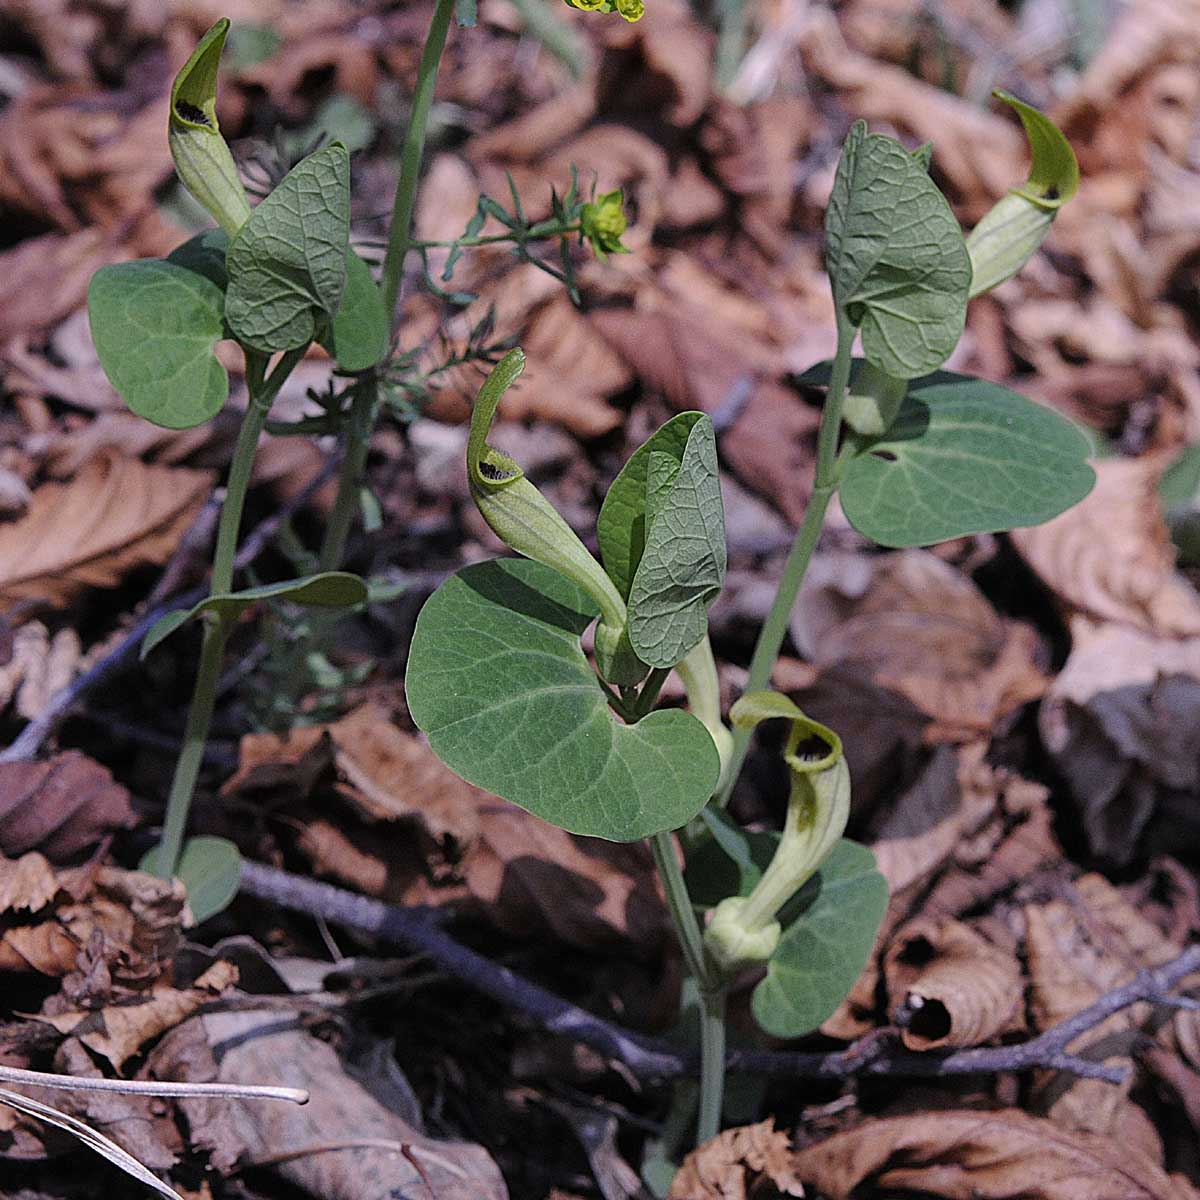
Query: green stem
{"points": [[554, 33], [712, 1064], [774, 629], [711, 986], [400, 234], [204, 693], [535, 233], [363, 406], [731, 39], [350, 476]]}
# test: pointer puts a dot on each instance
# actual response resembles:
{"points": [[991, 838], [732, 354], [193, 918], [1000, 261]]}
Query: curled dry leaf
{"points": [[116, 514], [734, 1164], [343, 1144], [982, 1156], [948, 986], [118, 929], [62, 806], [1111, 557], [914, 624]]}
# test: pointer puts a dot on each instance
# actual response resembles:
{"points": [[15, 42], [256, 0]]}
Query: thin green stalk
{"points": [[204, 693], [554, 33], [400, 234], [363, 405], [535, 233], [731, 39], [350, 475], [774, 629], [712, 990], [712, 1064]]}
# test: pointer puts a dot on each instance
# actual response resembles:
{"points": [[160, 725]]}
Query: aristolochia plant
{"points": [[498, 676]]}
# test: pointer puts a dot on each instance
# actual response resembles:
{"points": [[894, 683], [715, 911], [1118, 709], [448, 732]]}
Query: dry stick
{"points": [[656, 1058], [29, 741]]}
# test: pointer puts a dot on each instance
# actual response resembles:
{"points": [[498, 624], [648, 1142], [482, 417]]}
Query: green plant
{"points": [[498, 677], [275, 279]]}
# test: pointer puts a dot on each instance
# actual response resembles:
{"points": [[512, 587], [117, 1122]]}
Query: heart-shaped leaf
{"points": [[287, 264], [680, 520], [211, 870], [828, 933], [330, 589], [154, 324], [964, 456], [499, 682], [359, 333], [896, 257]]}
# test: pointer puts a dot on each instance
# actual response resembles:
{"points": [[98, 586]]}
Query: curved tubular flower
{"points": [[528, 523], [1004, 241], [744, 929], [202, 158]]}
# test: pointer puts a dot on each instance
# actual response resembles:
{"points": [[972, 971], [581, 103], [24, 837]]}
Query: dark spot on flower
{"points": [[189, 112]]}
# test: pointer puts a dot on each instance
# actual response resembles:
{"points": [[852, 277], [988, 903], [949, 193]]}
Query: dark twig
{"points": [[29, 741], [657, 1058]]}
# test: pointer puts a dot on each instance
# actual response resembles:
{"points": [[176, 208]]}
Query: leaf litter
{"points": [[1018, 714]]}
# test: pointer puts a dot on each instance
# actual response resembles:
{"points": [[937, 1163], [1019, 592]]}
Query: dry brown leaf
{"points": [[46, 278], [62, 806], [118, 1031], [947, 986], [1110, 556], [916, 625], [999, 1155], [116, 514], [378, 1149], [734, 1164]]}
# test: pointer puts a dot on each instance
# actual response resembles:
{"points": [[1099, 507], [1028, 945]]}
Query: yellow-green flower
{"points": [[631, 10], [602, 222]]}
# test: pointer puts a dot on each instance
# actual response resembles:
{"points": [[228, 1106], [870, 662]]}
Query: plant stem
{"points": [[204, 692], [362, 407], [712, 990], [774, 629], [554, 33], [350, 476], [400, 234], [535, 233], [712, 1064]]}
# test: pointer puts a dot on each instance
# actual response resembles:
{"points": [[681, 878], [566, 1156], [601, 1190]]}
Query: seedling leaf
{"points": [[209, 867], [359, 333], [287, 264], [154, 324], [499, 682], [896, 258], [682, 564], [828, 933], [964, 456], [331, 589]]}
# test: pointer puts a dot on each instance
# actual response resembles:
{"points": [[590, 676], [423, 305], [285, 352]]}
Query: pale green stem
{"points": [[204, 692], [363, 406], [774, 629], [554, 33], [712, 995]]}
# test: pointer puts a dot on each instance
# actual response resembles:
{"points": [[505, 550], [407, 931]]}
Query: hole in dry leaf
{"points": [[917, 952], [189, 112], [930, 1020]]}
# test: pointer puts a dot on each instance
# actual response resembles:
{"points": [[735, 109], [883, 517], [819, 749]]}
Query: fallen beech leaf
{"points": [[919, 627], [947, 986], [733, 1165], [62, 806], [46, 279], [982, 1156], [118, 1031], [1111, 555], [116, 514], [343, 1144]]}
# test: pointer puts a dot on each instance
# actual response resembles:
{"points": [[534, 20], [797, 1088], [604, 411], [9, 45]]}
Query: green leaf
{"points": [[964, 456], [730, 862], [497, 679], [682, 566], [621, 526], [896, 258], [360, 333], [829, 932], [331, 589], [287, 264], [154, 324], [211, 870]]}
